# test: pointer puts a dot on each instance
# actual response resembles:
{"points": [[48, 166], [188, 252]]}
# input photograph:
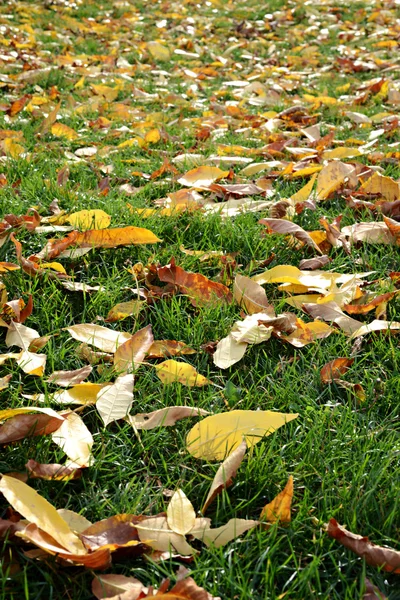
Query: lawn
{"points": [[137, 85]]}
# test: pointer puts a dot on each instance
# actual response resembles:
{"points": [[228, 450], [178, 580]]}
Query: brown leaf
{"points": [[50, 119], [287, 227], [113, 533], [330, 311], [317, 262], [372, 592], [186, 589], [68, 378], [335, 368], [201, 291], [279, 508], [22, 426], [225, 474], [168, 348], [165, 417], [118, 587], [251, 296], [130, 355], [387, 559], [52, 472], [62, 176], [18, 105]]}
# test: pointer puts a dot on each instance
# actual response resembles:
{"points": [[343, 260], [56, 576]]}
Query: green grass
{"points": [[342, 453]]}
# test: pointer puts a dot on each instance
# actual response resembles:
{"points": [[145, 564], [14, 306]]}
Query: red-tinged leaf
{"points": [[186, 589], [131, 353], [52, 471], [18, 105], [114, 532], [164, 417], [201, 290], [335, 369], [26, 311], [289, 228], [168, 348], [363, 309], [22, 426], [372, 592], [387, 559], [50, 119], [54, 248]]}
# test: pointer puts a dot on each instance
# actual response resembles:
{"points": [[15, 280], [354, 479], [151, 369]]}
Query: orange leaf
{"points": [[279, 508], [335, 368]]}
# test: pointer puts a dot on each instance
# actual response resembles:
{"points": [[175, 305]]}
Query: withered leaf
{"points": [[387, 559], [330, 311], [335, 369], [225, 474], [201, 290], [52, 472], [69, 378], [280, 507], [130, 354], [168, 348], [251, 296], [165, 417], [289, 228]]}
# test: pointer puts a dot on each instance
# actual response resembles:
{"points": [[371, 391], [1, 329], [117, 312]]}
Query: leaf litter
{"points": [[310, 134]]}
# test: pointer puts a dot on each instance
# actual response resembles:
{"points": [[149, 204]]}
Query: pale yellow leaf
{"points": [[155, 532], [61, 130], [115, 401], [180, 513], [171, 371], [75, 439], [131, 354], [222, 535], [106, 340], [159, 51]]}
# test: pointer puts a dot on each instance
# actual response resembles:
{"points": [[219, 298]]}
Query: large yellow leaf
{"points": [[332, 176], [171, 371], [218, 435], [89, 219], [61, 130], [38, 510], [118, 236], [180, 513]]}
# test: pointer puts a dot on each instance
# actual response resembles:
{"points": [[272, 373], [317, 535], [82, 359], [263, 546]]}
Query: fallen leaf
{"points": [[332, 176], [123, 310], [75, 439], [117, 587], [222, 535], [314, 263], [372, 592], [186, 589], [280, 507], [131, 354], [171, 371], [39, 511], [251, 296], [330, 311], [68, 378], [89, 219], [387, 559], [201, 290], [307, 333], [225, 474], [219, 435], [159, 51], [202, 177], [61, 130], [289, 228], [111, 238], [374, 326], [115, 401], [165, 417], [19, 424], [106, 340], [167, 348], [363, 309], [335, 369], [52, 472], [180, 513], [155, 532], [383, 185]]}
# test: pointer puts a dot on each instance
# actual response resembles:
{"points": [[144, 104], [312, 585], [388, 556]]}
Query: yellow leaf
{"points": [[304, 193], [80, 83], [341, 153], [55, 266], [61, 130], [279, 508], [218, 435], [383, 185], [89, 219], [158, 51], [81, 393], [110, 94], [12, 148], [180, 513], [119, 236], [123, 310], [8, 413], [332, 176], [153, 136], [38, 510], [171, 371], [306, 171]]}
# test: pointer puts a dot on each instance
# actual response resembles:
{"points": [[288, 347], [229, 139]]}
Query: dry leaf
{"points": [[225, 474], [279, 508], [330, 311], [106, 340], [202, 177], [61, 130], [123, 310], [115, 401], [219, 435], [156, 533], [119, 236], [289, 228], [67, 378], [75, 439], [52, 472], [335, 369], [171, 371], [89, 219], [39, 511], [180, 513], [387, 559], [165, 417], [332, 176], [375, 326], [131, 354], [251, 296], [167, 348], [118, 587], [222, 535]]}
